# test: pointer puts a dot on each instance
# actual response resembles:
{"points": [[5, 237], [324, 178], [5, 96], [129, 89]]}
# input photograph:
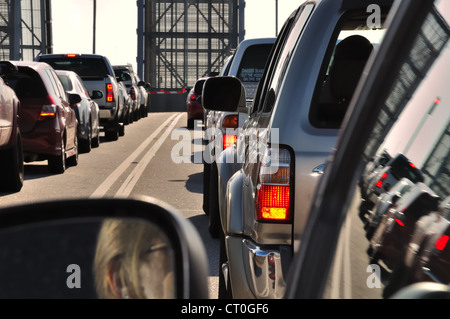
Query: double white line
{"points": [[126, 188]]}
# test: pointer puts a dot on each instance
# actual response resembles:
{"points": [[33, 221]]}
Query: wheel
{"points": [[206, 174], [112, 133], [96, 140], [190, 124], [121, 129], [214, 212], [86, 144], [73, 160], [57, 163], [11, 167], [225, 291]]}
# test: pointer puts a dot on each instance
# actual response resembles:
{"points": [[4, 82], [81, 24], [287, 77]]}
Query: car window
{"points": [[81, 66], [390, 240], [342, 69], [284, 57], [66, 82], [271, 62], [56, 84], [26, 83]]}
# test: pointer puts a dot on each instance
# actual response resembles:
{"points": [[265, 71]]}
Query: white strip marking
{"points": [[111, 179], [126, 188]]}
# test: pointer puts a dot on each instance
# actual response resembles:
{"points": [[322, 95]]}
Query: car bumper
{"points": [[255, 271]]}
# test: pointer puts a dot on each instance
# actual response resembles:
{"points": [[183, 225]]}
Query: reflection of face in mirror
{"points": [[396, 232], [133, 260]]}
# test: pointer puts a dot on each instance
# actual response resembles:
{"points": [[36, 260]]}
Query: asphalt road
{"points": [[142, 162]]}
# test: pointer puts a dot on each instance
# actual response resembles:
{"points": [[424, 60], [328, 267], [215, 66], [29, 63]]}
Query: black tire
{"points": [[206, 174], [224, 291], [57, 163], [214, 212], [11, 167], [73, 160], [86, 144], [190, 124], [121, 129], [112, 133]]}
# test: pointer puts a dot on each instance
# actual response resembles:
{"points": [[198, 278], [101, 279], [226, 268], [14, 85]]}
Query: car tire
{"points": [[73, 160], [57, 163], [190, 124], [206, 183], [112, 133], [224, 291], [214, 212], [11, 167], [86, 144]]}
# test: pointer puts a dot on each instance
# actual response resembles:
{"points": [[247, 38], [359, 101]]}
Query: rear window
{"points": [[26, 83], [253, 62], [84, 67]]}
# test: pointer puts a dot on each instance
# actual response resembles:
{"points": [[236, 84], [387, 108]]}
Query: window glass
{"points": [[83, 67], [342, 70], [66, 82], [284, 57], [397, 230]]}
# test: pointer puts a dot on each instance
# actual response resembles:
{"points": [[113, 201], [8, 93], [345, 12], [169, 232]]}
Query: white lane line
{"points": [[111, 179], [126, 187]]}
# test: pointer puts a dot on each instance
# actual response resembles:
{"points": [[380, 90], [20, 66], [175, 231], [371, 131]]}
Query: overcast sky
{"points": [[116, 37]]}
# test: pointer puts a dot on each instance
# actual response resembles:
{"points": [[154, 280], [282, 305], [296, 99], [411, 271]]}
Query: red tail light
{"points": [[229, 121], [381, 180], [133, 94], [398, 221], [274, 189], [48, 110], [441, 242], [109, 93]]}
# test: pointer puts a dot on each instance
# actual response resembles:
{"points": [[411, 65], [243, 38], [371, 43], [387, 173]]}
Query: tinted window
{"points": [[81, 66], [342, 69], [284, 57], [253, 62], [26, 83]]}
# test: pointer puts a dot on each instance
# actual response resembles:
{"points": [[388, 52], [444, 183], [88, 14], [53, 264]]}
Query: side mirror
{"points": [[96, 95], [223, 93], [141, 83], [100, 248], [74, 99]]}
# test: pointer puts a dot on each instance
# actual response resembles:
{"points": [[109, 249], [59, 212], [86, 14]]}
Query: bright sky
{"points": [[116, 25]]}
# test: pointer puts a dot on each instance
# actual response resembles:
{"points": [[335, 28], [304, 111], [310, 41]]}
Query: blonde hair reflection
{"points": [[133, 259]]}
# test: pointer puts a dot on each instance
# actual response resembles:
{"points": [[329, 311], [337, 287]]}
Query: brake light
{"points": [[133, 94], [228, 140], [48, 110], [399, 222], [71, 55], [274, 189], [109, 93], [381, 180], [441, 242], [229, 121]]}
